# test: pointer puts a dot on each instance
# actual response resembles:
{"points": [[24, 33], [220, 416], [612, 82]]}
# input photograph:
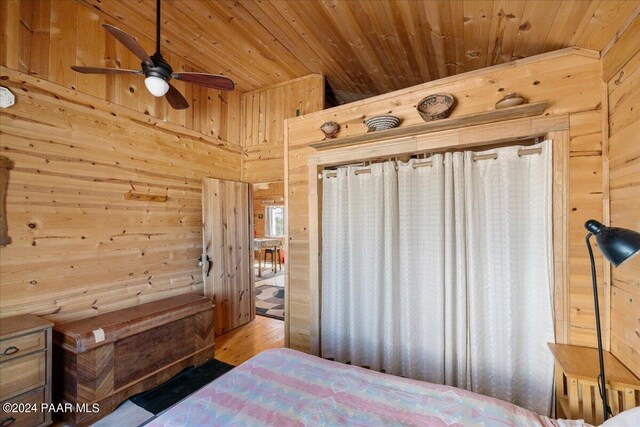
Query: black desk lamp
{"points": [[617, 245]]}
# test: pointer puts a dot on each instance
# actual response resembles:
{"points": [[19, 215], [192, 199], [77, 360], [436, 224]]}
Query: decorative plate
{"points": [[383, 122], [436, 106], [510, 100]]}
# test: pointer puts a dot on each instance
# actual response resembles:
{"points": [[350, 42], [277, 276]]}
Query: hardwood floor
{"points": [[248, 340]]}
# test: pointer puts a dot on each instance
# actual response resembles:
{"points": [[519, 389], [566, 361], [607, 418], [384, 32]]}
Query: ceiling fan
{"points": [[156, 70]]}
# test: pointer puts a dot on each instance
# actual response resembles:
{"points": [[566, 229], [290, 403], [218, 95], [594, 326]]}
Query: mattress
{"points": [[284, 387]]}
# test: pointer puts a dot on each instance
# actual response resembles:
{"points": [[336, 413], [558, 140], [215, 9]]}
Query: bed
{"points": [[285, 387]]}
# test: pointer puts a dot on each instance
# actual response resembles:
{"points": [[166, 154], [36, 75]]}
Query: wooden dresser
{"points": [[25, 370], [106, 359]]}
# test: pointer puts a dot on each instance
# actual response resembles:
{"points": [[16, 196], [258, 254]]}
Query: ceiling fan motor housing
{"points": [[161, 68]]}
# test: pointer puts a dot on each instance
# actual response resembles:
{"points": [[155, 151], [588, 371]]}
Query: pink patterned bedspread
{"points": [[285, 387]]}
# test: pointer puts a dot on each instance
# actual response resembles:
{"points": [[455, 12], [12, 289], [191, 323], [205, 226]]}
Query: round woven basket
{"points": [[436, 106], [382, 122]]}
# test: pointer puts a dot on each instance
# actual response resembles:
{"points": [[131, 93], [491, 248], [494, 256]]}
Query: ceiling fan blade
{"points": [[102, 70], [129, 42], [175, 98], [213, 81]]}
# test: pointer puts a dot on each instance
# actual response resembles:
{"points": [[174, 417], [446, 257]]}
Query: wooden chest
{"points": [[108, 358], [25, 371]]}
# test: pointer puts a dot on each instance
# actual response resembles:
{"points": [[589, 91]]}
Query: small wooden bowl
{"points": [[436, 106], [510, 100], [330, 129]]}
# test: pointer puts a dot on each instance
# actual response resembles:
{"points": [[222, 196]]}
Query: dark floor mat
{"points": [[183, 384]]}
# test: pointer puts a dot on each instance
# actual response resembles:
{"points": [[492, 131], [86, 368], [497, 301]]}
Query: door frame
{"points": [[206, 249], [553, 127]]}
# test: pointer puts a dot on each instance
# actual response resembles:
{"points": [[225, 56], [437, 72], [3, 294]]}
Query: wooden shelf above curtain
{"points": [[484, 117]]}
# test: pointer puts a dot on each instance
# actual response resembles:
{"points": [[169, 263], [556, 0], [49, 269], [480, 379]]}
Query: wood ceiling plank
{"points": [[593, 6], [504, 30], [371, 42], [605, 22], [214, 38], [415, 37], [331, 33], [534, 27], [307, 23], [363, 47], [565, 24], [392, 29], [624, 48], [442, 13], [282, 13], [478, 16], [399, 34], [204, 53], [457, 17], [243, 26], [279, 29], [428, 12]]}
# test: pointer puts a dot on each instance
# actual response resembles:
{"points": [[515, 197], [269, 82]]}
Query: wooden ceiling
{"points": [[367, 47]]}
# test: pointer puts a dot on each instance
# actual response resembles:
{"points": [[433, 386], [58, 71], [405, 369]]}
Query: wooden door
{"points": [[227, 240]]}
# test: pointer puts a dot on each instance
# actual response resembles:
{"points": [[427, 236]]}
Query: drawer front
{"points": [[22, 374], [26, 416], [19, 346]]}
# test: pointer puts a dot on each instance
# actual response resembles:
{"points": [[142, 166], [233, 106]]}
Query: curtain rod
{"points": [[428, 163]]}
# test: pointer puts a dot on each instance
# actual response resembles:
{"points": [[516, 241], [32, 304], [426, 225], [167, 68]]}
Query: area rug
{"points": [[267, 273], [270, 301], [183, 384]]}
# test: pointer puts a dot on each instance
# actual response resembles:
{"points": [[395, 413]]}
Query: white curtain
{"points": [[443, 273]]}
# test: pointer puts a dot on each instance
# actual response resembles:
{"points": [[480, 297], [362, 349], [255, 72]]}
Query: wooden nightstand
{"points": [[577, 395], [25, 369]]}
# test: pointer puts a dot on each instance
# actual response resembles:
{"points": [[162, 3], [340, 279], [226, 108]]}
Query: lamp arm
{"points": [[602, 383]]}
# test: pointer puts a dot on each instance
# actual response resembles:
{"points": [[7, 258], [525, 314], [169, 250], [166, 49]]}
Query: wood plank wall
{"points": [[79, 143], [568, 78], [79, 247], [621, 73], [45, 38], [263, 113]]}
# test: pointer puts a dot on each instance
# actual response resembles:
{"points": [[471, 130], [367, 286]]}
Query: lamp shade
{"points": [[156, 85], [616, 244]]}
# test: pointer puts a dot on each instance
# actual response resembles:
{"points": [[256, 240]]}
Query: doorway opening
{"points": [[269, 261]]}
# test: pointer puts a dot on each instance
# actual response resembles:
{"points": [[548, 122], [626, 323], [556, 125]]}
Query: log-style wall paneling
{"points": [[569, 79], [585, 202], [78, 246], [45, 38], [368, 47], [263, 113], [273, 195], [621, 66]]}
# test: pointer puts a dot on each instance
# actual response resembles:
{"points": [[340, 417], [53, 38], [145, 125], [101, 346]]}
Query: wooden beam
{"points": [[492, 116]]}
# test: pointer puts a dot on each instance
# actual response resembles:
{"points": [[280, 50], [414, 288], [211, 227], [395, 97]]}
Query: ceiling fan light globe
{"points": [[157, 86]]}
